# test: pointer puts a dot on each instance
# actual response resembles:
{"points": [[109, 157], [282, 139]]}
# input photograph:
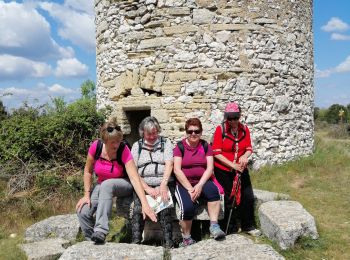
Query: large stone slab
{"points": [[262, 196], [46, 249], [88, 250], [233, 247], [61, 226], [286, 221]]}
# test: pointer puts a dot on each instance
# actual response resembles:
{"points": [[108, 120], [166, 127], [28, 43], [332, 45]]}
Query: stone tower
{"points": [[175, 59]]}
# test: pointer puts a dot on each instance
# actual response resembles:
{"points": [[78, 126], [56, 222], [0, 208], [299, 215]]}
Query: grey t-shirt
{"points": [[148, 172]]}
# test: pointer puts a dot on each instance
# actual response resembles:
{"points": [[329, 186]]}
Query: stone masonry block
{"points": [[286, 221]]}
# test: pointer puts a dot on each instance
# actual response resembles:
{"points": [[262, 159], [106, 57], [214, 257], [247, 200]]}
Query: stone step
{"points": [[46, 249], [286, 221], [61, 226]]}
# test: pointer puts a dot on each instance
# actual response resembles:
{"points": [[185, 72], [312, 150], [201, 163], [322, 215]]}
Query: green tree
{"points": [[332, 114], [3, 112], [88, 89], [316, 112]]}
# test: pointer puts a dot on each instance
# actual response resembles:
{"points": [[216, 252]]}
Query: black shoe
{"points": [[169, 244], [98, 237]]}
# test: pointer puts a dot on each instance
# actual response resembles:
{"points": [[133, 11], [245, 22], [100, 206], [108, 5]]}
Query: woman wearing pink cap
{"points": [[232, 148]]}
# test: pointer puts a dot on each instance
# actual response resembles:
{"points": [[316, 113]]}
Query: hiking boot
{"points": [[98, 237], [169, 244], [216, 232], [187, 242], [253, 232]]}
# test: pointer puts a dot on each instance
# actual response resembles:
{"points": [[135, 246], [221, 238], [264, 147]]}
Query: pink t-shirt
{"points": [[194, 161], [106, 169]]}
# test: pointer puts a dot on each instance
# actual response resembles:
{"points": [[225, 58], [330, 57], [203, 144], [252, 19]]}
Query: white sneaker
{"points": [[254, 232]]}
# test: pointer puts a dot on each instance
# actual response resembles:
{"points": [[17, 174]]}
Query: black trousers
{"points": [[245, 211]]}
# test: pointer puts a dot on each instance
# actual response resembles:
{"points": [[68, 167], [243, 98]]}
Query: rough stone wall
{"points": [[184, 58]]}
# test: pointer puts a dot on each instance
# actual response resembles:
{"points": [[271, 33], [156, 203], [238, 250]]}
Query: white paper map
{"points": [[158, 205]]}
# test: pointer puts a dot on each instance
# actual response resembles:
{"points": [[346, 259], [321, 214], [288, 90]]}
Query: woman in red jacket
{"points": [[232, 148]]}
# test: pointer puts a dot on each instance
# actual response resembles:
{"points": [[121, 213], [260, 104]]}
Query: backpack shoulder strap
{"points": [[98, 149], [205, 145], [140, 142], [162, 143], [120, 153], [181, 147]]}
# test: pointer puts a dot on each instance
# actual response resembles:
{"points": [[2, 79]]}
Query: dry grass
{"points": [[321, 183]]}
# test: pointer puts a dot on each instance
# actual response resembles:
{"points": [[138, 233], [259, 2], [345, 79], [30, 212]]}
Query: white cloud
{"points": [[37, 95], [340, 37], [86, 6], [58, 89], [24, 32], [335, 24], [18, 68], [344, 66], [71, 68], [77, 21], [322, 73]]}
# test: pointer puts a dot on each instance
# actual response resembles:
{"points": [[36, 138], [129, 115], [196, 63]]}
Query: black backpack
{"points": [[182, 148], [120, 150]]}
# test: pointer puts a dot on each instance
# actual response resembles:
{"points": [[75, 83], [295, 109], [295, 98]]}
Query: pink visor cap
{"points": [[232, 110]]}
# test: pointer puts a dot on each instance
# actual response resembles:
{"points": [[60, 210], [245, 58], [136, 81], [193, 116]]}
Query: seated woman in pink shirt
{"points": [[193, 167], [107, 158]]}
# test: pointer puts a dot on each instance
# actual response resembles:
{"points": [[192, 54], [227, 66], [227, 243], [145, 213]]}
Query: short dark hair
{"points": [[194, 122]]}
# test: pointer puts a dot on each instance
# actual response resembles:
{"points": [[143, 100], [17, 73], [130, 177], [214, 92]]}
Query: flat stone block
{"points": [[262, 196], [61, 226], [233, 247], [46, 249], [88, 250], [286, 221]]}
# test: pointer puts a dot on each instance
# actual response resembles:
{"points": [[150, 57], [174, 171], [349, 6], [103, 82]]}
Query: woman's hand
{"points": [[84, 200], [197, 191], [148, 211], [154, 192], [238, 167], [163, 190], [243, 160]]}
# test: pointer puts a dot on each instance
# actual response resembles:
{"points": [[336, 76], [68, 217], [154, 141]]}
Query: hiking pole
{"points": [[238, 184]]}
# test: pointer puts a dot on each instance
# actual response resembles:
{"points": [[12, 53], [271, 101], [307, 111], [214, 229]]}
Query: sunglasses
{"points": [[233, 118], [110, 129], [197, 132]]}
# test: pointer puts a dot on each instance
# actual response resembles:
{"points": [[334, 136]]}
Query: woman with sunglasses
{"points": [[193, 167], [112, 181], [153, 156], [232, 148]]}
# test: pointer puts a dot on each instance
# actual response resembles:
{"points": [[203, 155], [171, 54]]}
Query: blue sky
{"points": [[47, 49]]}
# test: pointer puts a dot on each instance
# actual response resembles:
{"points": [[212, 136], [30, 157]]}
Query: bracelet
{"points": [[166, 180]]}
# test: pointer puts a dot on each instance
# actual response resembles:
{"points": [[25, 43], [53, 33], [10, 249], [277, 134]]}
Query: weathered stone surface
{"points": [[233, 247], [61, 226], [180, 29], [47, 249], [154, 43], [262, 196], [286, 221], [118, 251], [202, 16]]}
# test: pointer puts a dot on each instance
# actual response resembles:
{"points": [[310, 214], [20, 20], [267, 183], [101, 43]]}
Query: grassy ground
{"points": [[320, 182]]}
